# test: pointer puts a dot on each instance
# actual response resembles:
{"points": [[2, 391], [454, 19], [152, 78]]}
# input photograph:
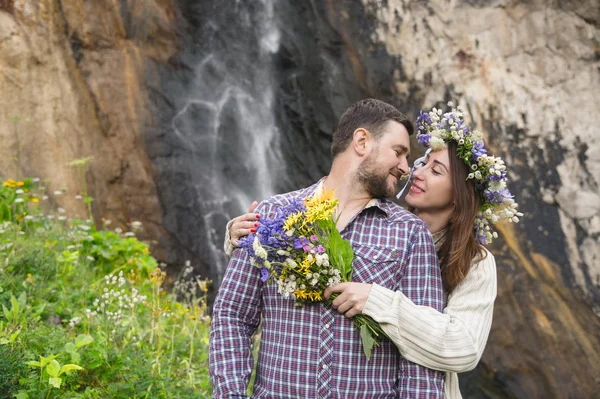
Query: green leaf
{"points": [[6, 313], [53, 368], [83, 340], [75, 357], [22, 301], [70, 347], [33, 363], [44, 360], [367, 340], [55, 381], [69, 367], [15, 307], [21, 395]]}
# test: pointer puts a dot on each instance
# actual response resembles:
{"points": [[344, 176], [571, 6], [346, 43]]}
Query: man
{"points": [[312, 351]]}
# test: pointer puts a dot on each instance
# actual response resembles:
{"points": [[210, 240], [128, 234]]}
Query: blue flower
{"points": [[497, 197], [423, 139], [478, 150]]}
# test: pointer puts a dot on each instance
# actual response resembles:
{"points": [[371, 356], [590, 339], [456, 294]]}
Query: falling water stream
{"points": [[223, 129]]}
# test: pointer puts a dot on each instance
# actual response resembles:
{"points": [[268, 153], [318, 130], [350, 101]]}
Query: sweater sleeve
{"points": [[450, 341], [227, 247]]}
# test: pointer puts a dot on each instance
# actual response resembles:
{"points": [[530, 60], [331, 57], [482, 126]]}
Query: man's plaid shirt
{"points": [[314, 352]]}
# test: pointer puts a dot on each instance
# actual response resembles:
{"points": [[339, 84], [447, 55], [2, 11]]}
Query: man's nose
{"points": [[403, 166]]}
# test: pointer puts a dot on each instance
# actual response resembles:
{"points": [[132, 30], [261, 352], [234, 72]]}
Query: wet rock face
{"points": [[527, 80], [192, 109]]}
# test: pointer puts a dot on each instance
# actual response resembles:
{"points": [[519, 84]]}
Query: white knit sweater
{"points": [[452, 341]]}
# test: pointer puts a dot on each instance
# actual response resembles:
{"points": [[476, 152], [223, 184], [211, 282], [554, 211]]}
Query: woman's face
{"points": [[431, 189]]}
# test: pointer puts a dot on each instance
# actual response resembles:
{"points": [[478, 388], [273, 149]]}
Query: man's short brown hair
{"points": [[369, 114]]}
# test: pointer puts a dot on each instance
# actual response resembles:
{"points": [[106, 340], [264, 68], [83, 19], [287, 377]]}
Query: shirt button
{"points": [[327, 326], [324, 367]]}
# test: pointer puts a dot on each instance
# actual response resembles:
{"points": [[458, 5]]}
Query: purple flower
{"points": [[302, 243], [495, 177], [497, 197], [320, 249], [423, 139], [314, 238], [478, 150], [264, 274], [422, 121]]}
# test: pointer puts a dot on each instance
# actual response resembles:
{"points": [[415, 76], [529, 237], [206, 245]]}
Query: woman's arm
{"points": [[450, 341], [239, 227]]}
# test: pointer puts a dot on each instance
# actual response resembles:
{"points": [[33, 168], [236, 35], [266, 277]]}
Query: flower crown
{"points": [[435, 129]]}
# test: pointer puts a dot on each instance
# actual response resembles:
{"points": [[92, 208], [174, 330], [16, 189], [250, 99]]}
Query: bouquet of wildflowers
{"points": [[302, 251]]}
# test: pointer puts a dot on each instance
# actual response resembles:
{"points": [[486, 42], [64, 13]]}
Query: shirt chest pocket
{"points": [[379, 265]]}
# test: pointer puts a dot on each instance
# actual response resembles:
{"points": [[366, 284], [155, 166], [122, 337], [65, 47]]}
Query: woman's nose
{"points": [[418, 172]]}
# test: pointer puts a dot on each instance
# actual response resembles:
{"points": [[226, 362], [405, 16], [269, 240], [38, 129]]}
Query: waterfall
{"points": [[223, 129]]}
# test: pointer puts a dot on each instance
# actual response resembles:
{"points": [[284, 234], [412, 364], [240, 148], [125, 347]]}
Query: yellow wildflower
{"points": [[320, 207], [300, 294], [35, 200], [20, 183], [315, 296], [9, 183], [291, 221]]}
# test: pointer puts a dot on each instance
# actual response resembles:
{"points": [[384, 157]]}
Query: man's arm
{"points": [[421, 282], [236, 315]]}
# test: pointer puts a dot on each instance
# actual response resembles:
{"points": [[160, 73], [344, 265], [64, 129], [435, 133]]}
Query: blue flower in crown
{"points": [[435, 129]]}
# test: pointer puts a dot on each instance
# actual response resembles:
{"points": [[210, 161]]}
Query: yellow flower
{"points": [[20, 183], [35, 200], [300, 294], [9, 183], [315, 296], [319, 207], [291, 221]]}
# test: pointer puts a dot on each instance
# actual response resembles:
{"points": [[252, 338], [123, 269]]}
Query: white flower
{"points": [[18, 200], [136, 225], [62, 218], [58, 193], [45, 198], [437, 143], [478, 175], [258, 249], [130, 234], [19, 191]]}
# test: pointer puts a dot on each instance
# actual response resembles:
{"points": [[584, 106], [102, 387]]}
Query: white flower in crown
{"points": [[437, 143]]}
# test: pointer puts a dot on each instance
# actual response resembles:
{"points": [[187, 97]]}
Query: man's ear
{"points": [[361, 140]]}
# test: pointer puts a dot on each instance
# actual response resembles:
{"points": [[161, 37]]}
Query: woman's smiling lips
{"points": [[414, 188]]}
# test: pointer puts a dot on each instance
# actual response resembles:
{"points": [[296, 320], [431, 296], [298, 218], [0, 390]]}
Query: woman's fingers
{"points": [[351, 298], [243, 225]]}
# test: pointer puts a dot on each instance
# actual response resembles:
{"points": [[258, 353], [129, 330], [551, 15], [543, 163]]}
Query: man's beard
{"points": [[374, 182]]}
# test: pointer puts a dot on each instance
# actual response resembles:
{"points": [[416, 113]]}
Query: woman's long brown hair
{"points": [[460, 248]]}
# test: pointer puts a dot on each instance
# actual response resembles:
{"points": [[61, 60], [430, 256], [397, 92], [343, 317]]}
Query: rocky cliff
{"points": [[190, 109]]}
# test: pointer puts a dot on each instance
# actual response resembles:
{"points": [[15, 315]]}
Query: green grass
{"points": [[84, 311]]}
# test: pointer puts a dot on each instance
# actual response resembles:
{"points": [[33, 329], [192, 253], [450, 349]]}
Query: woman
{"points": [[458, 186]]}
